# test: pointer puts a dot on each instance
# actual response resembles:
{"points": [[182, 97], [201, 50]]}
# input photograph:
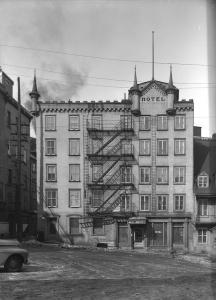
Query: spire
{"points": [[152, 55], [135, 79], [170, 86], [34, 89]]}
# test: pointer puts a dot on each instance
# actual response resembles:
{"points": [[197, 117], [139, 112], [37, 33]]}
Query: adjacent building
{"points": [[9, 161], [205, 194], [118, 173]]}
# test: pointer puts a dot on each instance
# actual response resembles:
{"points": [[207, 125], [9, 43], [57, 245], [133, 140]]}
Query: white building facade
{"points": [[117, 173]]}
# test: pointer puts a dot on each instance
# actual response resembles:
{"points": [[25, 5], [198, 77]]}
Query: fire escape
{"points": [[111, 154]]}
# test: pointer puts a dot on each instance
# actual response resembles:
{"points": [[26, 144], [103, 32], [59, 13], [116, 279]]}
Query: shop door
{"points": [[138, 237], [178, 233], [123, 234]]}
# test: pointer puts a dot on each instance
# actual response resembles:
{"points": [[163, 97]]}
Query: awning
{"points": [[137, 220]]}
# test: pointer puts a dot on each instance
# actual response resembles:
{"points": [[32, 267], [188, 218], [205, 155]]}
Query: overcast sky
{"points": [[88, 49]]}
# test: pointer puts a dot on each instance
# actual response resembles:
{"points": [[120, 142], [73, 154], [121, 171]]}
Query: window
{"points": [[145, 175], [74, 226], [73, 122], [145, 147], [179, 202], [125, 203], [162, 202], [51, 173], [96, 145], [74, 148], [50, 147], [33, 167], [25, 182], [97, 198], [50, 123], [162, 123], [162, 175], [144, 202], [126, 174], [97, 122], [179, 175], [74, 198], [126, 147], [51, 198], [9, 176], [97, 226], [9, 119], [203, 207], [97, 172], [202, 236], [9, 147], [158, 234], [162, 147], [203, 180], [126, 122], [180, 122], [16, 151], [24, 156], [145, 123], [180, 148], [74, 173]]}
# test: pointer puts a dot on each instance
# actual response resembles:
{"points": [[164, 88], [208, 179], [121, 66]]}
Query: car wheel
{"points": [[14, 263]]}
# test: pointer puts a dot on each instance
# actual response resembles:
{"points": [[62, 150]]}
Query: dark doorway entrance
{"points": [[138, 237], [123, 234], [178, 233]]}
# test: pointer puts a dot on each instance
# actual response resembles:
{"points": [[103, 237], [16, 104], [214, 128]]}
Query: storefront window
{"points": [[158, 234]]}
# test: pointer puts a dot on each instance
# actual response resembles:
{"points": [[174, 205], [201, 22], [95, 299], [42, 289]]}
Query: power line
{"points": [[99, 85], [106, 58], [93, 77]]}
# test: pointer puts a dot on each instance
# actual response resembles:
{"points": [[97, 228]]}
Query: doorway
{"points": [[178, 236], [138, 237]]}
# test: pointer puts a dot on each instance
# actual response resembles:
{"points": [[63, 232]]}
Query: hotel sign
{"points": [[154, 99]]}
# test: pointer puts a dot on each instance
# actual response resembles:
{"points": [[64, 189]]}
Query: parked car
{"points": [[12, 255]]}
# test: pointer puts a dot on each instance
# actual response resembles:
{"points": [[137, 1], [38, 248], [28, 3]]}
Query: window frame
{"points": [[175, 147], [77, 127], [166, 199], [166, 152], [55, 147], [24, 156], [99, 125], [48, 124], [101, 230], [55, 172], [9, 148], [202, 235], [157, 170], [177, 125], [78, 140], [144, 202], [79, 199], [145, 168], [52, 199], [177, 208], [184, 175], [163, 128], [201, 207], [70, 172], [202, 185], [148, 127], [9, 119], [125, 203], [149, 147]]}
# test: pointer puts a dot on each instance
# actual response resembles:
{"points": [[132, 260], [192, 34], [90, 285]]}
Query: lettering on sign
{"points": [[144, 99]]}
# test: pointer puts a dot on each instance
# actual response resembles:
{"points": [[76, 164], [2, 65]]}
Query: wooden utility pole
{"points": [[18, 185]]}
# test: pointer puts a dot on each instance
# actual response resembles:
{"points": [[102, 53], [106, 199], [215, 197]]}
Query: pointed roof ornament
{"points": [[34, 89], [135, 86], [171, 86]]}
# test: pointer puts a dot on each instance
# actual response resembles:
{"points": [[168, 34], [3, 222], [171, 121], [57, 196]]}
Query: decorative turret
{"points": [[34, 96], [170, 95], [135, 94]]}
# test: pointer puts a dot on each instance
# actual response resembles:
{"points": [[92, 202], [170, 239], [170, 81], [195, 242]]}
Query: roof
{"points": [[205, 160]]}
